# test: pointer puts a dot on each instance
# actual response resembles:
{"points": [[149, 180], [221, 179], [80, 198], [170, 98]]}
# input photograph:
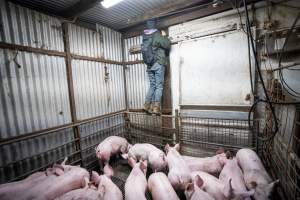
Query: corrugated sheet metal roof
{"points": [[115, 17]]}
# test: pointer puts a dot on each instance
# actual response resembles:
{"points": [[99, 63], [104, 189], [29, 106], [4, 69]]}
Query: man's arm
{"points": [[162, 42]]}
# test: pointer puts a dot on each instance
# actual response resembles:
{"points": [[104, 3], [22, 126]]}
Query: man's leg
{"points": [[159, 83], [151, 90]]}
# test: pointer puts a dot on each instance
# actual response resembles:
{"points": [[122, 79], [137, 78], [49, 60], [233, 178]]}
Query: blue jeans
{"points": [[156, 75]]}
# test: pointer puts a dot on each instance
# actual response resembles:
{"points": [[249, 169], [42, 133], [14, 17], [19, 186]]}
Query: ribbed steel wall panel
{"points": [[85, 42], [98, 87], [136, 75], [30, 28], [130, 42], [103, 43], [112, 43], [34, 93], [137, 85]]}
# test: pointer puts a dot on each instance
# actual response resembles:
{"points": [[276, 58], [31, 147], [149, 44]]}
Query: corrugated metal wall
{"points": [[34, 91], [136, 75], [99, 88]]}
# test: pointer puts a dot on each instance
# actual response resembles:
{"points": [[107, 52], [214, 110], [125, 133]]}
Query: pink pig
{"points": [[232, 171], [112, 145], [136, 183], [212, 165], [193, 191], [160, 187], [179, 172], [108, 190], [155, 157], [214, 186], [255, 175]]}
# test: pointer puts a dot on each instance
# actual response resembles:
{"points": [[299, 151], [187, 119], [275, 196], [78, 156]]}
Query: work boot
{"points": [[147, 107], [156, 108], [151, 108]]}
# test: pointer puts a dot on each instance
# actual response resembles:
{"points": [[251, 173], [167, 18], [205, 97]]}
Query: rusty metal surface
{"points": [[34, 93], [99, 88], [23, 26]]}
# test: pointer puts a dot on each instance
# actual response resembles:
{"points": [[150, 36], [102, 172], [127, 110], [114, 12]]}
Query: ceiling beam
{"points": [[78, 8], [164, 10], [165, 22]]}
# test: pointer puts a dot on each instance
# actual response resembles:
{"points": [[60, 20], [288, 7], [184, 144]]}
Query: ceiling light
{"points": [[110, 3]]}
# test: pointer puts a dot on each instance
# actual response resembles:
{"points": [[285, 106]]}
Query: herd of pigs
{"points": [[220, 177]]}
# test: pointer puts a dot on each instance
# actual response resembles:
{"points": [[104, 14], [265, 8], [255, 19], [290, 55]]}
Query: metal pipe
{"points": [[124, 72], [286, 67], [55, 129]]}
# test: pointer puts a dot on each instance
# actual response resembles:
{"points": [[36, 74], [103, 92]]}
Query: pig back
{"points": [[160, 187], [81, 194], [136, 184], [252, 166]]}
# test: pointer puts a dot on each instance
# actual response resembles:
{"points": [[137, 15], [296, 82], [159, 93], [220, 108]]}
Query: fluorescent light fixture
{"points": [[109, 3]]}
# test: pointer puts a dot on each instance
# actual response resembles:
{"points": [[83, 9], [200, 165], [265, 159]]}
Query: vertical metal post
{"points": [[68, 60], [124, 73], [177, 127]]}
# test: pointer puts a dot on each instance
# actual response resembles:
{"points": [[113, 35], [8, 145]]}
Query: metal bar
{"points": [[151, 129], [166, 112], [216, 144], [286, 67], [16, 47], [68, 60], [134, 62], [216, 107], [177, 126], [124, 72], [55, 129], [102, 60]]}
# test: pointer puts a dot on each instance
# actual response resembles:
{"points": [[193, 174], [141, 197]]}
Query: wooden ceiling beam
{"points": [[78, 8], [164, 10]]}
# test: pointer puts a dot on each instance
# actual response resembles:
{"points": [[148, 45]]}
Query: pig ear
{"points": [[65, 160], [272, 186], [108, 170], [199, 181], [143, 166], [190, 187], [131, 162], [177, 147], [167, 148], [220, 150], [228, 191], [95, 177], [125, 156]]}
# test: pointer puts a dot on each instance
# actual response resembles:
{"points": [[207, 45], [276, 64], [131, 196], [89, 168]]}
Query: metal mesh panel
{"points": [[156, 130], [281, 155], [22, 158], [203, 136], [93, 133]]}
